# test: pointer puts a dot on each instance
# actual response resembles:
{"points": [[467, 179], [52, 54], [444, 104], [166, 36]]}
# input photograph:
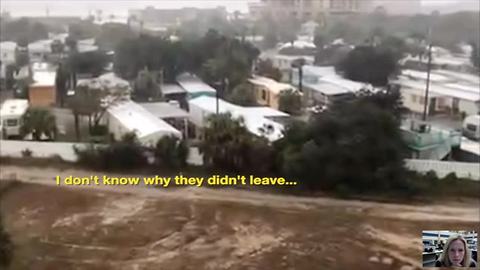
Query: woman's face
{"points": [[456, 252]]}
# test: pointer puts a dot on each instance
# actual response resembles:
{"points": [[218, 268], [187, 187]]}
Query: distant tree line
{"points": [[214, 56], [23, 31]]}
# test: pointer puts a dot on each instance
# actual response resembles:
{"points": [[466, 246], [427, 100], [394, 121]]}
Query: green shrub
{"points": [[99, 130], [124, 155], [27, 153], [171, 152]]}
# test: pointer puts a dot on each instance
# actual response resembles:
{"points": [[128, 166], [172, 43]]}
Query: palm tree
{"points": [[171, 152], [299, 63], [290, 101], [39, 122], [226, 143]]}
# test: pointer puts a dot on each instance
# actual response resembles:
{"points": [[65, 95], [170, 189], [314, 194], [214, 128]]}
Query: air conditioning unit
{"points": [[419, 126]]}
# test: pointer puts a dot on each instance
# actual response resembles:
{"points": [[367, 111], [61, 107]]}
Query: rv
{"points": [[471, 127], [11, 114]]}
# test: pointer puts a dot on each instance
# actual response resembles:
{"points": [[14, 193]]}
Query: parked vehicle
{"points": [[428, 246], [11, 114], [472, 244], [471, 127]]}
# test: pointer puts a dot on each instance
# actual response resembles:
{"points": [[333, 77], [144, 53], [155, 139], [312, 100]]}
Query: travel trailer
{"points": [[11, 114], [471, 127]]}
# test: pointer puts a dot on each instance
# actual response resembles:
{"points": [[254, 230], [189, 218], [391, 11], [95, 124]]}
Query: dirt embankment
{"points": [[144, 228]]}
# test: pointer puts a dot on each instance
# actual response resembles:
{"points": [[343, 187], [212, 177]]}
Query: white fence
{"points": [[442, 168], [39, 149], [64, 150]]}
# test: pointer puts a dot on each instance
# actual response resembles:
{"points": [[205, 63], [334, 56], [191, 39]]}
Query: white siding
{"points": [[12, 148], [468, 106], [443, 168]]}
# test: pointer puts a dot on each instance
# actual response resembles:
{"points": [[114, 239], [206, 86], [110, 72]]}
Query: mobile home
{"points": [[11, 114], [471, 127], [129, 116]]}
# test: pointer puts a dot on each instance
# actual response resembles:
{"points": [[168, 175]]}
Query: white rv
{"points": [[11, 114], [471, 127]]}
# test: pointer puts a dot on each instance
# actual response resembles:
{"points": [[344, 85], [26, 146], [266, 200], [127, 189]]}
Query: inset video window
{"points": [[450, 248]]}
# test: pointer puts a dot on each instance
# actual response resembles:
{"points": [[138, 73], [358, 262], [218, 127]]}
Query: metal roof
{"points": [[270, 84], [463, 77], [192, 84], [8, 45], [264, 111], [255, 118], [169, 89], [44, 78], [327, 89], [456, 90], [15, 107], [326, 81], [319, 71], [136, 118], [470, 146], [164, 110], [415, 74]]}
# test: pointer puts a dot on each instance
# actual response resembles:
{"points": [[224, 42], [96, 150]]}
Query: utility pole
{"points": [[299, 63], [300, 78], [216, 100], [223, 86], [429, 66]]}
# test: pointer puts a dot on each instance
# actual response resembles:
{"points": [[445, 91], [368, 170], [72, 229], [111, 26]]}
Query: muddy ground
{"points": [[197, 228]]}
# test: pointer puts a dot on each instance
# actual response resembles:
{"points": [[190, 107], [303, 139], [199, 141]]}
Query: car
{"points": [[428, 246], [472, 245]]}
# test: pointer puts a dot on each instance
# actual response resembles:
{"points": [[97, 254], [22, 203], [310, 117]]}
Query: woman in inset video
{"points": [[456, 254]]}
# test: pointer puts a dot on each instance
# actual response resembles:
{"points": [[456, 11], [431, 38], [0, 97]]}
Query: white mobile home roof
{"points": [[44, 78], [451, 90], [418, 91], [270, 84], [264, 111], [8, 46], [458, 76], [470, 146], [328, 89], [164, 110], [136, 118], [193, 85], [300, 44], [423, 75], [307, 58], [112, 80], [209, 104], [168, 89], [319, 71], [14, 107], [40, 46], [254, 119], [352, 86], [107, 81], [464, 87], [83, 48], [43, 74], [328, 82]]}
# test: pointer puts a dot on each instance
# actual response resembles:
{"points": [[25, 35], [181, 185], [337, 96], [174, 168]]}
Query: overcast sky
{"points": [[117, 7], [120, 7]]}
